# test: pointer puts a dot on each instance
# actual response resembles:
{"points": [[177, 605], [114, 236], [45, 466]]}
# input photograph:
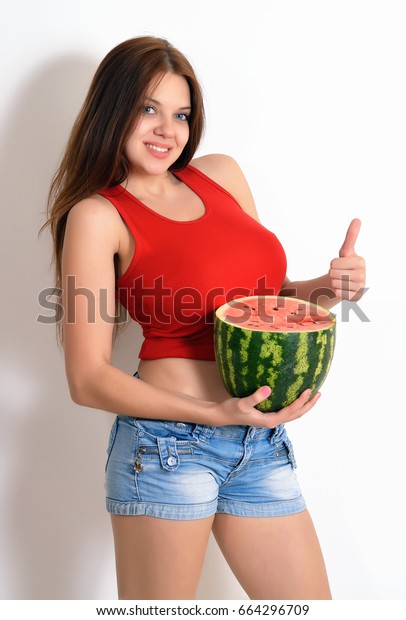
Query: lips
{"points": [[158, 148]]}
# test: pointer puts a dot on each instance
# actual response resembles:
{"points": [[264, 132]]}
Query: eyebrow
{"points": [[185, 107]]}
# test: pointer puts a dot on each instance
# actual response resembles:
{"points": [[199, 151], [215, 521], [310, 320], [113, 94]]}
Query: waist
{"points": [[194, 377]]}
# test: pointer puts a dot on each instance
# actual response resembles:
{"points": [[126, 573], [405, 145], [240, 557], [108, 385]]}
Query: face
{"points": [[162, 131]]}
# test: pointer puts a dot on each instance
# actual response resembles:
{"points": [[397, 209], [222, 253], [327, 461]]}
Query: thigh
{"points": [[274, 557], [159, 558]]}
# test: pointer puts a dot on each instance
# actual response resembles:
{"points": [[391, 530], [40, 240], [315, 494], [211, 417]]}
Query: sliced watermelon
{"points": [[283, 342]]}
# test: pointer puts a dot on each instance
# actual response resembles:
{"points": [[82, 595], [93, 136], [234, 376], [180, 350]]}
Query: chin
{"points": [[159, 167]]}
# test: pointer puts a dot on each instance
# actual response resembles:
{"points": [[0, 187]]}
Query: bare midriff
{"points": [[198, 378]]}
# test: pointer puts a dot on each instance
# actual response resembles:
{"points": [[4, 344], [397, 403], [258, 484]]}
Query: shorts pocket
{"points": [[167, 451], [112, 438]]}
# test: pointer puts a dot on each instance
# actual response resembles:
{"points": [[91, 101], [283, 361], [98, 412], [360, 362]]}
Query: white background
{"points": [[309, 97]]}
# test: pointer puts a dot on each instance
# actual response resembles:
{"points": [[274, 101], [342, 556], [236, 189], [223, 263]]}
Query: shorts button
{"points": [[140, 434], [171, 461], [181, 426]]}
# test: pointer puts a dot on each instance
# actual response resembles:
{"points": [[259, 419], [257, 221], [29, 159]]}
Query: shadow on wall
{"points": [[55, 534]]}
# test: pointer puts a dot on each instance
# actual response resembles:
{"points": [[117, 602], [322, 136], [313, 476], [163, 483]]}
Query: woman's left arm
{"points": [[344, 280]]}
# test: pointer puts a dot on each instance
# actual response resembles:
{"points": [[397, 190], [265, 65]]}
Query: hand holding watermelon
{"points": [[347, 273], [243, 410]]}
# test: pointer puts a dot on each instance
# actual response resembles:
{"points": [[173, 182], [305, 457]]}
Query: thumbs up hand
{"points": [[347, 273]]}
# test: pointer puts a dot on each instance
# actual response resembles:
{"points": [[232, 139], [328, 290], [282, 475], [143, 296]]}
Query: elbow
{"points": [[80, 392], [77, 397], [87, 387]]}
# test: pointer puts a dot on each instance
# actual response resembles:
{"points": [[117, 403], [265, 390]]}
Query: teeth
{"points": [[157, 148]]}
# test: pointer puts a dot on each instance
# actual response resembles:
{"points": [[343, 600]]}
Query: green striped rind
{"points": [[289, 362], [222, 339]]}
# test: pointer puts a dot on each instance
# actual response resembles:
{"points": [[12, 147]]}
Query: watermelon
{"points": [[283, 342]]}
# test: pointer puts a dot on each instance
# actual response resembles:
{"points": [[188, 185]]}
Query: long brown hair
{"points": [[94, 157]]}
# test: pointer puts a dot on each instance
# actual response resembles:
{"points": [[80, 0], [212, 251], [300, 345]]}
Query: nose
{"points": [[165, 127]]}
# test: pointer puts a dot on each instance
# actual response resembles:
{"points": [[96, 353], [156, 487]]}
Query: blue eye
{"points": [[182, 117], [148, 109]]}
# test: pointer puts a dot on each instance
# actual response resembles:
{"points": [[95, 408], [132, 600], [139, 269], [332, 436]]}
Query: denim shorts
{"points": [[177, 470]]}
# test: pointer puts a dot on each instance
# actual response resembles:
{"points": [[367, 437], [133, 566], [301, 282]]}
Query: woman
{"points": [[133, 220]]}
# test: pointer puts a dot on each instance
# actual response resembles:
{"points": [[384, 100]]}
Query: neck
{"points": [[150, 184]]}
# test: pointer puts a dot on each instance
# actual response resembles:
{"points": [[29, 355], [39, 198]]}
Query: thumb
{"points": [[348, 247], [258, 396]]}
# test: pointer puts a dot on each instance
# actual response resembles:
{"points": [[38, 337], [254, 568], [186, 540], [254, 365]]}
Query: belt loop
{"points": [[168, 453], [276, 434]]}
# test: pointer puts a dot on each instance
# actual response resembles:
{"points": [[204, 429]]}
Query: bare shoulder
{"points": [[96, 216], [225, 171], [95, 207], [221, 168]]}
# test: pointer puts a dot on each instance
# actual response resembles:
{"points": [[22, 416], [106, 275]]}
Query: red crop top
{"points": [[182, 271]]}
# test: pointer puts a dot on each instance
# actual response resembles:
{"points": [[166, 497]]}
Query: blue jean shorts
{"points": [[177, 470]]}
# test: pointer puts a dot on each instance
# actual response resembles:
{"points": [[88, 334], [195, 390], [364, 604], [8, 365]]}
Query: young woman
{"points": [[134, 219]]}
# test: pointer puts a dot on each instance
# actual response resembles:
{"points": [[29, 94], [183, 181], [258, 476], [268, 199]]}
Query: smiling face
{"points": [[162, 131]]}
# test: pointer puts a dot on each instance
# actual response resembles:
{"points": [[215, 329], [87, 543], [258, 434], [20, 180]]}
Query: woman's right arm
{"points": [[88, 282]]}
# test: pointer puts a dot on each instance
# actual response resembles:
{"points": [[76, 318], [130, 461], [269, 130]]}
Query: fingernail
{"points": [[266, 390]]}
